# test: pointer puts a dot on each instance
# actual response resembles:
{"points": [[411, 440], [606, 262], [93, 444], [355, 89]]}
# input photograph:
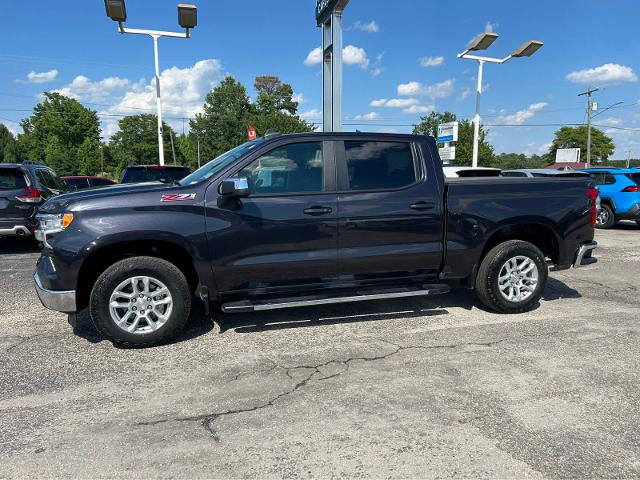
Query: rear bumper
{"points": [[632, 214], [59, 301], [15, 231], [584, 255]]}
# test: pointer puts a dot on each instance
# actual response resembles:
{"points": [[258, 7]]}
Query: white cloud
{"points": [[299, 97], [377, 68], [437, 90], [610, 122], [351, 55], [84, 90], [13, 127], [522, 116], [368, 116], [490, 27], [431, 61], [394, 102], [40, 77], [465, 93], [607, 74], [314, 57], [369, 27], [313, 114], [419, 109]]}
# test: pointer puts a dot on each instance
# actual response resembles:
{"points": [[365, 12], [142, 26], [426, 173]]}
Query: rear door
{"points": [[389, 213], [13, 183]]}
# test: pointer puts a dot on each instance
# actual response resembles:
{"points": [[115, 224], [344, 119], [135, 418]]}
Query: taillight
{"points": [[593, 194], [30, 195], [632, 188]]}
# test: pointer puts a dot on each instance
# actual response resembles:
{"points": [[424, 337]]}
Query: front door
{"points": [[283, 237], [390, 214]]}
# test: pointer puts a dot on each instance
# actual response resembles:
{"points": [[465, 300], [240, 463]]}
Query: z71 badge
{"points": [[178, 197]]}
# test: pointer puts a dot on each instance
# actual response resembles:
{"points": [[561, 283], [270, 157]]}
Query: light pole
{"points": [[482, 42], [187, 19]]}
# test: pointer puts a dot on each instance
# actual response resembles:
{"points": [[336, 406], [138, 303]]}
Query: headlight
{"points": [[54, 223]]}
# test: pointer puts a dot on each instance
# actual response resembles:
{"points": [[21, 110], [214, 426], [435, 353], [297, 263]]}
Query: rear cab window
{"points": [[372, 165], [12, 179]]}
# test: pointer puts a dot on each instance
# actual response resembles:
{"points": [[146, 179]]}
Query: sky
{"points": [[400, 62]]}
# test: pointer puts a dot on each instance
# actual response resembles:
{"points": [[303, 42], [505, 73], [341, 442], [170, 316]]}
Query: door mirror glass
{"points": [[234, 188]]}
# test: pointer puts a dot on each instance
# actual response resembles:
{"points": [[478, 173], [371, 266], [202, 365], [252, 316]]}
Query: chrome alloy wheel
{"points": [[140, 305], [518, 279], [603, 217]]}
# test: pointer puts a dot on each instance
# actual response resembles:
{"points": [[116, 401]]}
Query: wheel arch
{"points": [[101, 258], [541, 235]]}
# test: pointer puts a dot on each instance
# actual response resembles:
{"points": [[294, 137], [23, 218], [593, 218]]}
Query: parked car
{"points": [[84, 182], [540, 172], [619, 193], [23, 188], [469, 172], [153, 173], [350, 217]]}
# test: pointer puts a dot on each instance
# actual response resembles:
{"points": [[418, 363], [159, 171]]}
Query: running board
{"points": [[247, 306]]}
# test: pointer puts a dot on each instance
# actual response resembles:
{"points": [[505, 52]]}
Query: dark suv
{"points": [[153, 173], [23, 188]]}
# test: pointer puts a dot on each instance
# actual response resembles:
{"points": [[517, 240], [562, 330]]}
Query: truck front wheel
{"points": [[140, 302], [512, 277]]}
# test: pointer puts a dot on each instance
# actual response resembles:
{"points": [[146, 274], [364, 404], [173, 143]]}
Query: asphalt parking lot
{"points": [[407, 388]]}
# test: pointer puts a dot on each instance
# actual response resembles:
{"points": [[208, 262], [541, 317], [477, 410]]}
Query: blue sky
{"points": [[402, 55]]}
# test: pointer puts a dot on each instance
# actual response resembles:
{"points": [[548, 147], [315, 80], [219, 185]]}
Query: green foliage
{"points": [[89, 157], [512, 161], [228, 111], [56, 130], [136, 142], [602, 146], [8, 146], [464, 147]]}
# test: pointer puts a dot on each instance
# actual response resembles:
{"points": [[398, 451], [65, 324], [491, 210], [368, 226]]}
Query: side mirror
{"points": [[234, 188]]}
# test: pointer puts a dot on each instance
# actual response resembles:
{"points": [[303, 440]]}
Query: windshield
{"points": [[218, 164]]}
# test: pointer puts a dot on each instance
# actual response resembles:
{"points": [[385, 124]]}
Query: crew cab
{"points": [[307, 219]]}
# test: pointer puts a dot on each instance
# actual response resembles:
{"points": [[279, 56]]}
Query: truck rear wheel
{"points": [[140, 302], [512, 277]]}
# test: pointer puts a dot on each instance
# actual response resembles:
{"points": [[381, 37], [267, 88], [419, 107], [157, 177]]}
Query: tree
{"points": [[511, 161], [223, 124], [136, 141], [464, 146], [90, 157], [62, 121], [274, 96], [8, 146], [602, 146]]}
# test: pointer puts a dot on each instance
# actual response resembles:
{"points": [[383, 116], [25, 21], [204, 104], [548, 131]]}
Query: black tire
{"points": [[117, 273], [606, 217], [487, 282]]}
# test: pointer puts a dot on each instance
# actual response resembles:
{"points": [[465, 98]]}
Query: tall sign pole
{"points": [[329, 15]]}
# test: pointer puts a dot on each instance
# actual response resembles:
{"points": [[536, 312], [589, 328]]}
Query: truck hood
{"points": [[75, 200]]}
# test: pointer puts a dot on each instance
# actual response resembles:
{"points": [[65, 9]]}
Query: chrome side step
{"points": [[247, 306]]}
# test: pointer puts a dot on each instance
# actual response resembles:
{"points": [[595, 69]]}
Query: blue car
{"points": [[619, 193]]}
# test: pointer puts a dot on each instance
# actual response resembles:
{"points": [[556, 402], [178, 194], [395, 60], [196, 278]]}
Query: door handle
{"points": [[317, 210], [423, 206]]}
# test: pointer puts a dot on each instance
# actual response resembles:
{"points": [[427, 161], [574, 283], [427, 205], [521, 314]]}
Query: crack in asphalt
{"points": [[208, 420], [22, 341]]}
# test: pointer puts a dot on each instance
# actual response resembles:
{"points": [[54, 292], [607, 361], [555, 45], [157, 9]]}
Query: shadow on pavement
{"points": [[13, 245], [359, 312]]}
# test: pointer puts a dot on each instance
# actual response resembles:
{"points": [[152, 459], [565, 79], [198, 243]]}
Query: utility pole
{"points": [[173, 148], [589, 93], [629, 158]]}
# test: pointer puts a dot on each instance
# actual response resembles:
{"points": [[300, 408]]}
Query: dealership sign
{"points": [[448, 132], [324, 9]]}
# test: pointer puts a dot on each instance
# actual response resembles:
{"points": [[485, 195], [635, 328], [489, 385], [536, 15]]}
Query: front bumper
{"points": [[584, 255], [59, 301]]}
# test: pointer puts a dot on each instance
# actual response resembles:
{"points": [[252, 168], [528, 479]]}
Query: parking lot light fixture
{"points": [[482, 42], [187, 18], [116, 10]]}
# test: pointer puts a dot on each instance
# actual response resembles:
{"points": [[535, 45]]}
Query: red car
{"points": [[84, 182]]}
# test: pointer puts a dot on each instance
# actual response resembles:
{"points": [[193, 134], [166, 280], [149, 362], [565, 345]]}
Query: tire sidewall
{"points": [[496, 258], [610, 221], [113, 276]]}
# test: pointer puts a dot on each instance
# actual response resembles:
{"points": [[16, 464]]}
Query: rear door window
{"points": [[12, 179], [379, 165]]}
